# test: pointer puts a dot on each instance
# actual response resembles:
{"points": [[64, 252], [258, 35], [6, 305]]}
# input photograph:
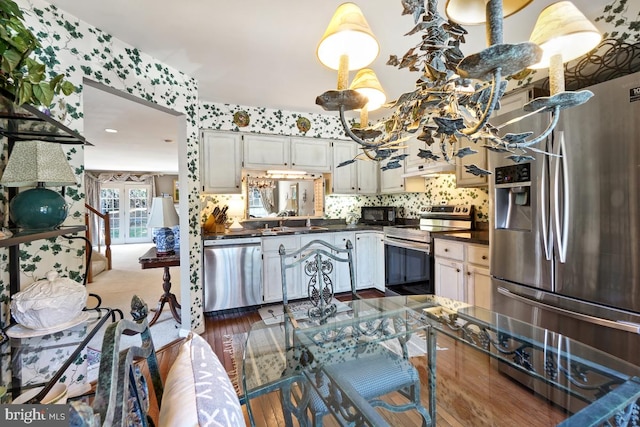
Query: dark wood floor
{"points": [[470, 391]]}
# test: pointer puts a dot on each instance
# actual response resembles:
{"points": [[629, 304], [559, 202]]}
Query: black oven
{"points": [[408, 267], [409, 263]]}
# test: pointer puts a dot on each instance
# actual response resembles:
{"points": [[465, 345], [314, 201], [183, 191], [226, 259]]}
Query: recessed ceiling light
{"points": [[109, 130]]}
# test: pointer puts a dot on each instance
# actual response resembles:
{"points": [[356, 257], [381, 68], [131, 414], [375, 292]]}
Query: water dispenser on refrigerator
{"points": [[513, 197]]}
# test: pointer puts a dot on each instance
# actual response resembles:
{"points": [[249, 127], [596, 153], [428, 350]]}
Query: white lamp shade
{"points": [[163, 213], [33, 162], [366, 82], [348, 34], [561, 29], [473, 12]]}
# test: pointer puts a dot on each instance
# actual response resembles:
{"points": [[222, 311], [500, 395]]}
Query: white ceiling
{"points": [[256, 53]]}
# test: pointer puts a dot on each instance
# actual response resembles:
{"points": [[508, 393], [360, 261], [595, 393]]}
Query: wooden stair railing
{"points": [[107, 236]]}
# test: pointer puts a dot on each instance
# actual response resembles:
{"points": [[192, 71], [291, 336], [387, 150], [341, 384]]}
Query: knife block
{"points": [[215, 228]]}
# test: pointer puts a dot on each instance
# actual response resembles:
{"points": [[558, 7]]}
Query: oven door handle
{"points": [[422, 247]]}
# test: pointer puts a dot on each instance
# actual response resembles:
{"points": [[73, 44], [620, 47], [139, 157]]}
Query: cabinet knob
{"points": [[484, 257], [468, 273], [457, 270], [292, 164], [446, 249]]}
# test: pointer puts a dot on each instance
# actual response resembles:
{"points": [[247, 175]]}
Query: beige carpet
{"points": [[127, 278]]}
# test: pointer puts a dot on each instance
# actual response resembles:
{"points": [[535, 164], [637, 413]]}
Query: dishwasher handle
{"points": [[249, 241]]}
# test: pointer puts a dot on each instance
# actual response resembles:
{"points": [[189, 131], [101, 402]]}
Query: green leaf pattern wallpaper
{"points": [[82, 51]]}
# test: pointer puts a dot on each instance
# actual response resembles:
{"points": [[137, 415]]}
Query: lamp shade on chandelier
{"points": [[348, 43]]}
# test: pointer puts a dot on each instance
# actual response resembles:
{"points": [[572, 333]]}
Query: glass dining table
{"points": [[582, 385]]}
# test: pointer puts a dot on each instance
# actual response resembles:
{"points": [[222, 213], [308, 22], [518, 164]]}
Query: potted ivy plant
{"points": [[21, 75]]}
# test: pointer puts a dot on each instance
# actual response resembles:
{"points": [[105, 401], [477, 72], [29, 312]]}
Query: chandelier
{"points": [[454, 96]]}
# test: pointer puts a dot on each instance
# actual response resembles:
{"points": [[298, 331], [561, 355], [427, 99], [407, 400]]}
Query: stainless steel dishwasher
{"points": [[232, 273]]}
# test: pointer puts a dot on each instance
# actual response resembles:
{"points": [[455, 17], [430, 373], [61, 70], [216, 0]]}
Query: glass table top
{"points": [[570, 368]]}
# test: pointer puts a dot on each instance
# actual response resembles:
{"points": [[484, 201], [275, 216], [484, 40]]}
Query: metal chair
{"points": [[391, 372]]}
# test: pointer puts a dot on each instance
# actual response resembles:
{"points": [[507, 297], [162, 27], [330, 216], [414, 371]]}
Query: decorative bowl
{"points": [[48, 303]]}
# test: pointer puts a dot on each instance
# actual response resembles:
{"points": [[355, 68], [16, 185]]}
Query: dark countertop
{"points": [[257, 232], [480, 237]]}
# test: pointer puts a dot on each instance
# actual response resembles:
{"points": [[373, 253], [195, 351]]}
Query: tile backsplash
{"points": [[439, 190]]}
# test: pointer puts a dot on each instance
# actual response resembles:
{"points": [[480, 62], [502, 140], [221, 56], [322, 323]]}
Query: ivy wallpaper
{"points": [[84, 52]]}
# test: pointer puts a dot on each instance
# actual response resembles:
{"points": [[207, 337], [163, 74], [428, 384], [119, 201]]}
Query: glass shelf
{"points": [[27, 122], [24, 236]]}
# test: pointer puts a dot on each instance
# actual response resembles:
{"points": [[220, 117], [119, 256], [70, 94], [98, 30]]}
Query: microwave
{"points": [[378, 215]]}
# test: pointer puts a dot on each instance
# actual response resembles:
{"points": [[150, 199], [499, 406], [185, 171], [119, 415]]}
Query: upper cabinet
{"points": [[360, 177], [266, 152], [463, 177], [311, 154], [221, 162], [515, 100], [263, 152]]}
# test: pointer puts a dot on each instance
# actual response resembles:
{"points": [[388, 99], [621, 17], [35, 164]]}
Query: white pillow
{"points": [[198, 391]]}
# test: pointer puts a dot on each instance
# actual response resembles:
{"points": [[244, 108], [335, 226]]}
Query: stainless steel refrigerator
{"points": [[565, 231]]}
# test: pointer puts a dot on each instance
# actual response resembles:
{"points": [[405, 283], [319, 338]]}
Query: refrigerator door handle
{"points": [[561, 225], [620, 324], [547, 239]]}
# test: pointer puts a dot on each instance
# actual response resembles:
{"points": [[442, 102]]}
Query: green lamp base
{"points": [[38, 209]]}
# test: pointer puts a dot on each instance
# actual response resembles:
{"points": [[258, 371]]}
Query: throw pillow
{"points": [[198, 391]]}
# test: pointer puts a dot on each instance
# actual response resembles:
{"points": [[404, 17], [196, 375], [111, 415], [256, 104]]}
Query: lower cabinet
{"points": [[368, 260], [462, 272], [272, 273]]}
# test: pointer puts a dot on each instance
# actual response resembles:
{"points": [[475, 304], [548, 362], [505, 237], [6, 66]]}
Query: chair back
{"points": [[317, 263]]}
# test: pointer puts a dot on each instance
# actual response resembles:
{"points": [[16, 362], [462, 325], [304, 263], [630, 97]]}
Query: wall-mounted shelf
{"points": [[27, 122], [22, 236]]}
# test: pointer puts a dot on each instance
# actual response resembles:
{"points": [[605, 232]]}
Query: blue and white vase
{"points": [[176, 237], [164, 239]]}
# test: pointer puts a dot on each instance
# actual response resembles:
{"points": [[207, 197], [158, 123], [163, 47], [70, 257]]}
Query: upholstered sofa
{"points": [[197, 390]]}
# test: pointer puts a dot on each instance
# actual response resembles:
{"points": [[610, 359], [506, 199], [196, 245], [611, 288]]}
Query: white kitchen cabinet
{"points": [[344, 179], [342, 277], [221, 162], [462, 272], [515, 100], [478, 277], [311, 154], [266, 151], [335, 276], [449, 279], [369, 260], [463, 177], [272, 273], [391, 181], [263, 152], [359, 177], [367, 180]]}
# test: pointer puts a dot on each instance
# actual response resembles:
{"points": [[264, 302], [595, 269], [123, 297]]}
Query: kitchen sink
{"points": [[287, 229]]}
